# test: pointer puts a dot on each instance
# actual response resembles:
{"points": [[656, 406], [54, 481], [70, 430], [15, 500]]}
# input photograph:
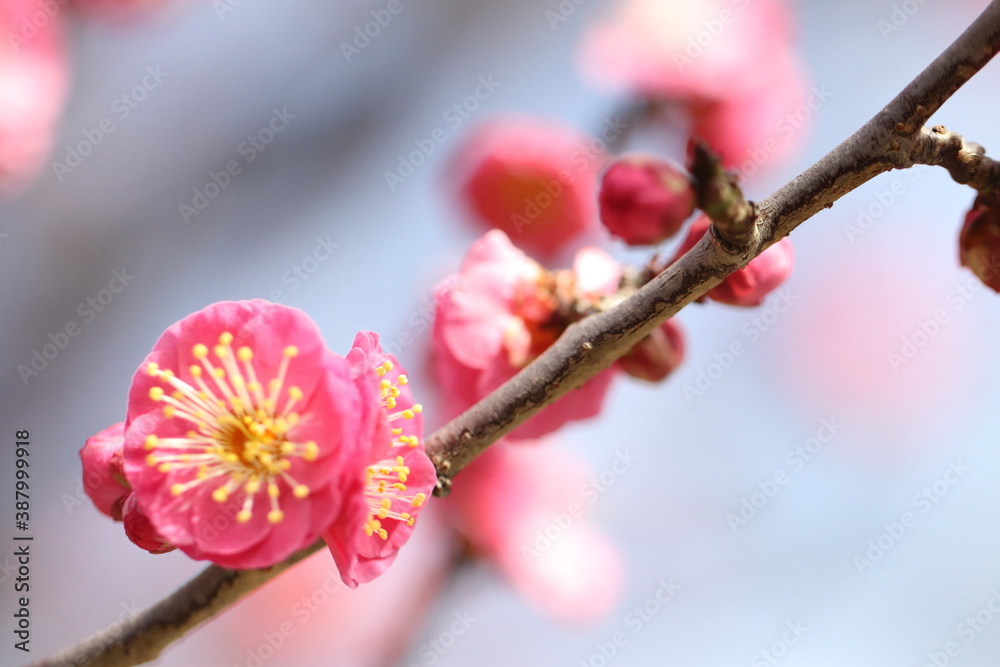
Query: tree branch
{"points": [[965, 161], [894, 139], [888, 141]]}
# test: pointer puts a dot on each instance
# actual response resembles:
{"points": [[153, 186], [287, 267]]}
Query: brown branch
{"points": [[888, 141], [720, 197], [965, 161], [893, 139]]}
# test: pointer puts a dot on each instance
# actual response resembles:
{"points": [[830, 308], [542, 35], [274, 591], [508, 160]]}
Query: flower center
{"points": [[238, 433], [385, 488]]}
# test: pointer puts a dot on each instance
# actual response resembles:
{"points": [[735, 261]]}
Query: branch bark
{"points": [[895, 138]]}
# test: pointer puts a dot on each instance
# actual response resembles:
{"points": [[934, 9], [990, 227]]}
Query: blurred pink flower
{"points": [[243, 455], [33, 82], [500, 312], [657, 355], [103, 478], [140, 530], [979, 240], [645, 200], [533, 178], [747, 286], [523, 508], [381, 510]]}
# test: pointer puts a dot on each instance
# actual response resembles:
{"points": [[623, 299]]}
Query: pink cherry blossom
{"points": [[979, 241], [244, 434], [509, 504], [396, 476], [533, 178], [103, 478], [657, 355], [686, 50], [500, 312], [140, 530], [33, 82], [645, 200], [747, 286]]}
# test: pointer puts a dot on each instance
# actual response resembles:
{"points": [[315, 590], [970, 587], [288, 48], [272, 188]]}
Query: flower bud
{"points": [[139, 529], [657, 355], [103, 479], [979, 242], [644, 200]]}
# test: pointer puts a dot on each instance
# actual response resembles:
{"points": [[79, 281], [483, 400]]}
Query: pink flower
{"points": [[747, 286], [244, 434], [501, 311], [521, 507], [103, 478], [657, 355], [979, 241], [140, 530], [684, 50], [395, 478], [535, 179], [33, 81], [755, 129], [644, 200]]}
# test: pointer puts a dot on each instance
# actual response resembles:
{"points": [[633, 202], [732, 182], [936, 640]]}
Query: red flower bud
{"points": [[979, 242], [139, 529], [644, 200], [657, 355]]}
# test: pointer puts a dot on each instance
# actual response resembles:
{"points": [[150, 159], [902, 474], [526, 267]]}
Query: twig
{"points": [[893, 139]]}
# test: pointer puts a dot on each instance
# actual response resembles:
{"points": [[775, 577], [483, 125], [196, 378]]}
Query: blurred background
{"points": [[761, 519]]}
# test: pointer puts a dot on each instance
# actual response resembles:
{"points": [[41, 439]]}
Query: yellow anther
{"points": [[383, 533], [312, 451], [399, 487], [301, 491], [419, 499], [402, 379], [220, 495], [273, 490], [243, 516], [156, 393], [291, 351], [285, 464], [152, 368], [195, 371], [418, 408], [169, 411], [151, 441], [408, 414], [226, 338], [176, 489], [252, 487], [294, 393], [164, 467], [275, 516], [151, 460], [244, 353], [199, 351], [221, 351], [220, 373]]}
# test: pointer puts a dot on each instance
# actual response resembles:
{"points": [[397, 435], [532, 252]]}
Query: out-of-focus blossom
{"points": [[380, 512], [533, 178], [644, 200], [244, 434], [33, 82], [103, 478], [979, 241], [522, 507], [501, 311], [656, 356], [747, 286]]}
